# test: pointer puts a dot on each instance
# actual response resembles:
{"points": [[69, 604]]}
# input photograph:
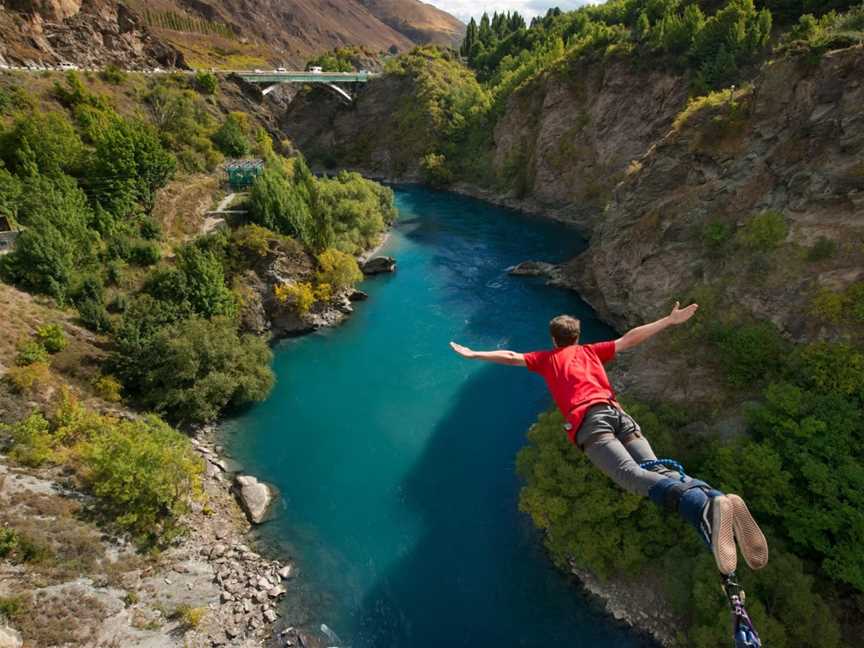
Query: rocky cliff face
{"points": [[572, 135], [791, 146], [87, 32]]}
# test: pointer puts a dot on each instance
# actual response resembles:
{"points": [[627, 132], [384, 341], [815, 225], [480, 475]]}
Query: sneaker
{"points": [[754, 546], [717, 523]]}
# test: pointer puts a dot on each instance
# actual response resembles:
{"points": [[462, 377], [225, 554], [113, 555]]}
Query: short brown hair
{"points": [[565, 330]]}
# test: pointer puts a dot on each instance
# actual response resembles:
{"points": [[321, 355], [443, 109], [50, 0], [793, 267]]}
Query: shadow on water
{"points": [[455, 587]]}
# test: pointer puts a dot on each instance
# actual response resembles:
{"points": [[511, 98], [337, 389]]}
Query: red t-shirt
{"points": [[576, 378]]}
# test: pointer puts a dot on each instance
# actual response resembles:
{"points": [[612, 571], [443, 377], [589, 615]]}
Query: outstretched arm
{"points": [[510, 358], [641, 333]]}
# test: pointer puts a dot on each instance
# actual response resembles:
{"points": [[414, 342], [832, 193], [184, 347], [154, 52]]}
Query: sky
{"points": [[465, 9]]}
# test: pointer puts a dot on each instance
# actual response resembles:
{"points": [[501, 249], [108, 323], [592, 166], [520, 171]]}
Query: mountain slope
{"points": [[420, 22], [212, 33]]}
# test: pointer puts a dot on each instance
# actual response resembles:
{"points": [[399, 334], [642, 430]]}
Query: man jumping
{"points": [[614, 443]]}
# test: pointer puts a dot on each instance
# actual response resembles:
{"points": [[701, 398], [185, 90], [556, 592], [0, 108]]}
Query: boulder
{"points": [[255, 497], [10, 638], [379, 265]]}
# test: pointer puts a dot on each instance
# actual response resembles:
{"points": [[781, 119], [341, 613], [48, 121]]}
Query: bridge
{"points": [[330, 79]]}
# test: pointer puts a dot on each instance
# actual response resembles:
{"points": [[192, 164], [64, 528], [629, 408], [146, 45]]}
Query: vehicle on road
{"points": [[67, 66], [316, 69], [280, 69], [259, 71]]}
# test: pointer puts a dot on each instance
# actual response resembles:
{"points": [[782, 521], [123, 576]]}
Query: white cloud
{"points": [[465, 9]]}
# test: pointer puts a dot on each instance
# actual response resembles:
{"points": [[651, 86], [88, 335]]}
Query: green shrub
{"points": [[763, 232], [109, 388], [30, 352], [29, 379], [94, 315], [12, 606], [829, 305], [231, 137], [824, 248], [855, 302], [150, 230], [281, 202], [144, 253], [32, 442], [716, 235], [206, 82], [113, 74], [191, 617], [52, 337], [144, 474]]}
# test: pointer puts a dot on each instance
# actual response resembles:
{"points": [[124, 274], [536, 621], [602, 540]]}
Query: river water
{"points": [[395, 457]]}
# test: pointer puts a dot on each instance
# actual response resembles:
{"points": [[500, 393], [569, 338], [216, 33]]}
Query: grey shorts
{"points": [[602, 418]]}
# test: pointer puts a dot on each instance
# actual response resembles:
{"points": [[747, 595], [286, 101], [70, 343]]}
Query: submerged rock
{"points": [[255, 497], [379, 265], [532, 269]]}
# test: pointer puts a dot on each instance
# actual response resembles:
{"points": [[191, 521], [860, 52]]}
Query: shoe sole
{"points": [[754, 546], [722, 535]]}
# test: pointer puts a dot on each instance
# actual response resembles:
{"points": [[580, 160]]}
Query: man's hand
{"points": [[641, 333], [463, 351], [681, 315]]}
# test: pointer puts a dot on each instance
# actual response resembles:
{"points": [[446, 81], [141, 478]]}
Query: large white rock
{"points": [[10, 638], [255, 497]]}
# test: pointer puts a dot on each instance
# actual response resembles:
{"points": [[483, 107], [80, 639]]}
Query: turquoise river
{"points": [[395, 457]]}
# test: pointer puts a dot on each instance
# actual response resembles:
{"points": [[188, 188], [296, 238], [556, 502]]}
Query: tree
{"points": [[129, 164], [279, 202], [338, 269], [205, 287], [56, 241], [190, 371], [231, 138], [41, 143]]}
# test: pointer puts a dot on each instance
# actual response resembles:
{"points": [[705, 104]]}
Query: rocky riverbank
{"points": [[207, 589]]}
